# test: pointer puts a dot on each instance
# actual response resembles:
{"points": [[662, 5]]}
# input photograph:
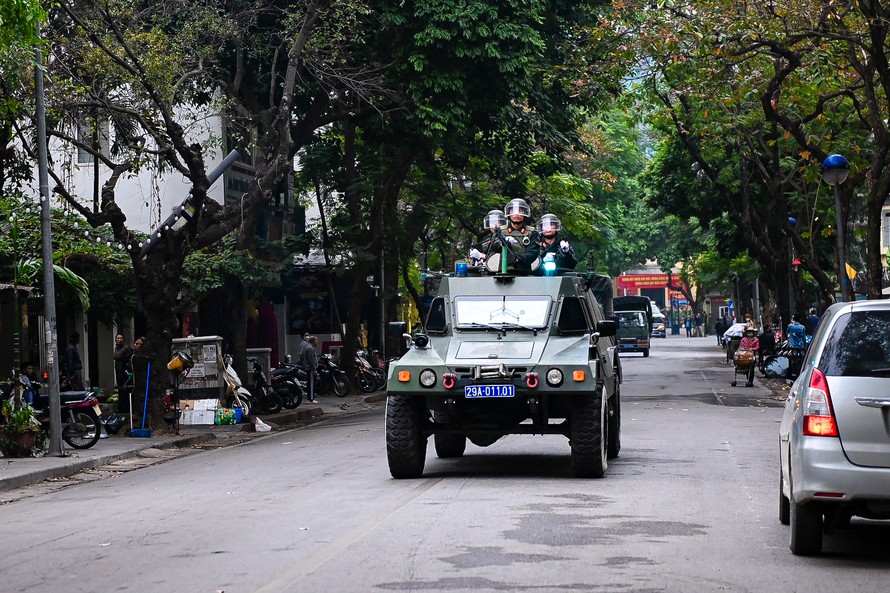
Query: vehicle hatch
{"points": [[856, 363]]}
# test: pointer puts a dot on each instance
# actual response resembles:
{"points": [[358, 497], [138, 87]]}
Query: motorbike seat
{"points": [[65, 397]]}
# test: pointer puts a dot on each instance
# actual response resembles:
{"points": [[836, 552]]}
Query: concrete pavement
{"points": [[16, 473]]}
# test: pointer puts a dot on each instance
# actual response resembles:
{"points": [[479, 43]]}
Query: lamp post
{"points": [[835, 169]]}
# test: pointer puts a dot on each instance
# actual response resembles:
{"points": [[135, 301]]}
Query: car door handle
{"points": [[873, 402]]}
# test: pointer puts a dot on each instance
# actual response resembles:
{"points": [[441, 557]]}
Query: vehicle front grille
{"points": [[489, 372]]}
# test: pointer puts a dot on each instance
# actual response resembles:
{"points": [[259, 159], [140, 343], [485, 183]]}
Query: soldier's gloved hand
{"points": [[511, 240], [564, 246]]}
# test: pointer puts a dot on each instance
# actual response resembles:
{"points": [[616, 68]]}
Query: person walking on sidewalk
{"points": [[73, 362], [310, 365]]}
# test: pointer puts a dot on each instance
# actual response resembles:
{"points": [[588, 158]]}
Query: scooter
{"points": [[81, 417], [287, 385], [237, 396], [331, 377], [264, 395]]}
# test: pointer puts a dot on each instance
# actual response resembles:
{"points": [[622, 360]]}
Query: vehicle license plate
{"points": [[97, 410], [489, 391]]}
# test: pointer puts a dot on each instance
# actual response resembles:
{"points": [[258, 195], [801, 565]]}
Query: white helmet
{"points": [[549, 222], [493, 219], [517, 206]]}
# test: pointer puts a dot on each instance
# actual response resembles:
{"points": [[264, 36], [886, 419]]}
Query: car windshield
{"points": [[482, 311], [858, 346], [631, 319]]}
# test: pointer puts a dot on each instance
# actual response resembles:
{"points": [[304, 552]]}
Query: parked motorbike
{"points": [[81, 417], [286, 382], [237, 396], [263, 394], [365, 380], [331, 378], [376, 366]]}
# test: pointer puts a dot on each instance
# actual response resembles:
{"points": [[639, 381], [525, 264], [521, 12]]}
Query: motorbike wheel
{"points": [[84, 430], [245, 405], [292, 399], [366, 381], [272, 403], [380, 378], [341, 385]]}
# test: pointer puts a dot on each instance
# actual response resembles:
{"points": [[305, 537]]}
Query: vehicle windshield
{"points": [[483, 311], [631, 319]]}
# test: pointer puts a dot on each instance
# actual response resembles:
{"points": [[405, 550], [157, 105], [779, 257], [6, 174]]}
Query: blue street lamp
{"points": [[835, 169]]}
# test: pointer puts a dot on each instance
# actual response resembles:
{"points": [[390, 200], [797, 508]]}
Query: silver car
{"points": [[834, 439]]}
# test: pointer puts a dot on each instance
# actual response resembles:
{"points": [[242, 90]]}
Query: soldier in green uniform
{"points": [[549, 227], [520, 237]]}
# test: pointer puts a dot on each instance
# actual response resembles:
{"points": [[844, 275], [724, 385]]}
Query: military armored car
{"points": [[507, 354]]}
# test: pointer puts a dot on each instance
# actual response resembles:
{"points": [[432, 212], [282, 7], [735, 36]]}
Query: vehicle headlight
{"points": [[554, 377], [427, 377]]}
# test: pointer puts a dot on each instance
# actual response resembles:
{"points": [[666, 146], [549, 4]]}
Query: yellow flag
{"points": [[851, 271]]}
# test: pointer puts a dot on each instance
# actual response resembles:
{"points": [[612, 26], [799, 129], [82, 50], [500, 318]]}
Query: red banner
{"points": [[642, 281]]}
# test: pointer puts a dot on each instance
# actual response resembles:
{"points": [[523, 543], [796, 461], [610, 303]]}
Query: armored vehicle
{"points": [[506, 354]]}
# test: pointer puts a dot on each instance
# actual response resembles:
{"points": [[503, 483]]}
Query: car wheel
{"points": [[784, 505], [806, 529], [646, 353], [614, 429], [450, 445], [405, 442], [588, 426]]}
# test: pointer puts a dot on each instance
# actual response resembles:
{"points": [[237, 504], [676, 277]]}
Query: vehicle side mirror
{"points": [[287, 358], [607, 327]]}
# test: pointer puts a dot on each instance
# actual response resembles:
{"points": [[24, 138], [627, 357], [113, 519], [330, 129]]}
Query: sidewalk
{"points": [[16, 473]]}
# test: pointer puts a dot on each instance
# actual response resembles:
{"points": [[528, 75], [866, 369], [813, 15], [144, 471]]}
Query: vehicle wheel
{"points": [[646, 353], [380, 378], [341, 385], [84, 432], [366, 382], [614, 429], [784, 505], [293, 399], [733, 383], [588, 428], [245, 405], [450, 445], [405, 442], [806, 529], [273, 403]]}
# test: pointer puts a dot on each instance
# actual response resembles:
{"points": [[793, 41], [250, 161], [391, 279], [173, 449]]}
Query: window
{"points": [[86, 134], [859, 345], [631, 319], [571, 316], [436, 321], [528, 311]]}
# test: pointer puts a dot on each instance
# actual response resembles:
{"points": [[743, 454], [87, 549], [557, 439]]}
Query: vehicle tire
{"points": [[245, 405], [646, 353], [366, 382], [588, 428], [733, 383], [340, 385], [806, 529], [380, 377], [405, 441], [84, 432], [614, 428], [450, 445], [293, 399], [272, 403], [784, 505]]}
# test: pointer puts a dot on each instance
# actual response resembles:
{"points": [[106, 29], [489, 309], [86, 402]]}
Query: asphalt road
{"points": [[690, 505]]}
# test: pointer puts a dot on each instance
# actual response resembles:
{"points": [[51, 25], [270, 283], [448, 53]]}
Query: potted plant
{"points": [[20, 434]]}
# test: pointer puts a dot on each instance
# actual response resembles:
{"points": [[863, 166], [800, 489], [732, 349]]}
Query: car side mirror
{"points": [[607, 327]]}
